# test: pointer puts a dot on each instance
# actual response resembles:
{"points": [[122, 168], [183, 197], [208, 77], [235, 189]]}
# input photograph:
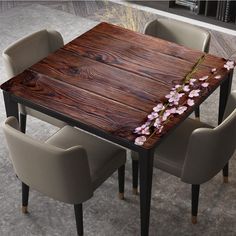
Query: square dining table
{"points": [[107, 82]]}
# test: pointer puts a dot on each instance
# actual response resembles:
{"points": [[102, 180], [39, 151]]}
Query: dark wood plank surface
{"points": [[110, 78], [102, 79]]}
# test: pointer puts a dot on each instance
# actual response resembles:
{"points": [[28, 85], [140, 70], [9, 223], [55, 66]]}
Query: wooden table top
{"points": [[110, 78]]}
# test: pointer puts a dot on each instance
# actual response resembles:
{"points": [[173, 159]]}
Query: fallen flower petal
{"points": [[204, 85], [140, 140], [190, 102], [217, 77], [204, 78]]}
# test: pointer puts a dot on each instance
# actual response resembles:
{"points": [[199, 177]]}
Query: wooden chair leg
{"points": [[226, 173], [22, 122], [197, 113], [121, 181], [135, 167], [195, 198], [78, 208], [25, 198]]}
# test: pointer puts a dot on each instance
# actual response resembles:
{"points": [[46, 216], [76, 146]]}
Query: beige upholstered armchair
{"points": [[23, 54], [68, 167], [195, 152], [180, 33]]}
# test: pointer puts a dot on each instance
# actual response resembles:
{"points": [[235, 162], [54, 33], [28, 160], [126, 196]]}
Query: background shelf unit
{"points": [[221, 13], [222, 10]]}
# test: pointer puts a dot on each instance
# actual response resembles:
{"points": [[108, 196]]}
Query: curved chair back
{"points": [[180, 33], [29, 50], [61, 174], [26, 52], [210, 149], [231, 104]]}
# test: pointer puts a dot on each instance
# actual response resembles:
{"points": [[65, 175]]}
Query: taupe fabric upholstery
{"points": [[26, 52], [99, 152], [231, 104], [170, 154], [195, 151], [209, 150], [180, 33], [68, 167], [30, 49]]}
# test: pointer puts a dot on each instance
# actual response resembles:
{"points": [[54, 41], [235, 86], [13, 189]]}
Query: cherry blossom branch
{"points": [[162, 112]]}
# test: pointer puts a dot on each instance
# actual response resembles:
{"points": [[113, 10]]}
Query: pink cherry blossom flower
{"points": [[138, 130], [186, 88], [157, 123], [176, 87], [217, 77], [172, 110], [160, 129], [153, 115], [192, 81], [229, 65], [166, 114], [158, 107], [180, 110], [173, 97], [190, 102], [147, 123], [145, 131], [140, 140], [204, 78], [194, 93], [204, 85], [213, 70]]}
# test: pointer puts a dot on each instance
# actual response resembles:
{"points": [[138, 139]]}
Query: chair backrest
{"points": [[29, 50], [180, 33], [210, 149], [61, 174], [231, 104]]}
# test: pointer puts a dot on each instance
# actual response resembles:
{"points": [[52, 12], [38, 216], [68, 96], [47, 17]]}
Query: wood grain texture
{"points": [[102, 79], [129, 56], [110, 78]]}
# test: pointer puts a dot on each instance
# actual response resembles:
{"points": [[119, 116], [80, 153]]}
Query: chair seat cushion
{"points": [[170, 154], [104, 158]]}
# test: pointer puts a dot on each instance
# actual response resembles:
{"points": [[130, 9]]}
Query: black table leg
{"points": [[225, 89], [146, 170], [25, 198], [10, 105]]}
